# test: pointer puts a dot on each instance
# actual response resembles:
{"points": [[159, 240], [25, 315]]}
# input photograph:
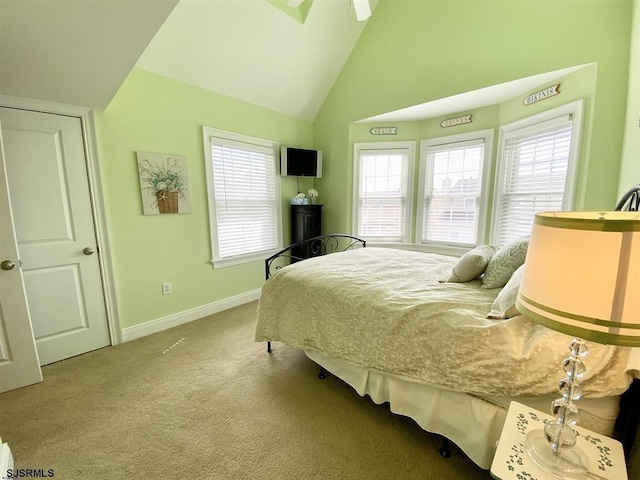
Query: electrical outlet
{"points": [[166, 288]]}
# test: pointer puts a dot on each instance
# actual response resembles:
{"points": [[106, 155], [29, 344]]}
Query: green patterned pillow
{"points": [[506, 261], [472, 264]]}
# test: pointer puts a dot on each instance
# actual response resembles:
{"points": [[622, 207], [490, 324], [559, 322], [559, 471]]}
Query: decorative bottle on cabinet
{"points": [[306, 222]]}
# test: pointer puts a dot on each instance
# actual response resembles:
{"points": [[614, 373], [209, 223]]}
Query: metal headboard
{"points": [[312, 247], [630, 201]]}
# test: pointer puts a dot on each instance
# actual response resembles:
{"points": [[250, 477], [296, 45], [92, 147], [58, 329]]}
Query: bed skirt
{"points": [[473, 423]]}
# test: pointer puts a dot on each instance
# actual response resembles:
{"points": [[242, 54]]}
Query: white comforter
{"points": [[384, 309]]}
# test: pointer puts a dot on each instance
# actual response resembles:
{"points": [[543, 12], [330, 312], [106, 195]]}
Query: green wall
{"points": [[578, 85], [156, 114], [411, 52], [416, 51], [630, 168]]}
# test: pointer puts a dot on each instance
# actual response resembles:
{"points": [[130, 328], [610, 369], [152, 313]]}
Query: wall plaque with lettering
{"points": [[452, 122], [384, 131], [541, 95]]}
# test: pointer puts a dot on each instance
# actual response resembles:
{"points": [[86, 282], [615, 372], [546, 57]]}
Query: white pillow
{"points": [[472, 264], [506, 261], [504, 306]]}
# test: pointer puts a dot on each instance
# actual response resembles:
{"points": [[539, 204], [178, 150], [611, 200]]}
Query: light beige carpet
{"points": [[204, 401]]}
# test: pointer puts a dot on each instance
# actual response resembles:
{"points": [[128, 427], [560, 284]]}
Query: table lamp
{"points": [[582, 278]]}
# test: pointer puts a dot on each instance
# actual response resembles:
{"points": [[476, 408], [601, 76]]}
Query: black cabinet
{"points": [[306, 222]]}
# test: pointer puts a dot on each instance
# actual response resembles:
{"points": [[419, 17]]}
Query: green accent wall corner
{"points": [[415, 52], [410, 52], [157, 114]]}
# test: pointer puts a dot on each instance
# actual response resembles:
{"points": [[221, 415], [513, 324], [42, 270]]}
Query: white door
{"points": [[18, 358], [53, 216]]}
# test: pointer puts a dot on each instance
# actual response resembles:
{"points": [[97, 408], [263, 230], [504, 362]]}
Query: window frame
{"points": [[486, 136], [208, 134], [532, 124], [410, 146]]}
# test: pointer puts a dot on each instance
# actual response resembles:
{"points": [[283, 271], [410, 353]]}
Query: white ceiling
{"points": [[76, 52], [251, 50]]}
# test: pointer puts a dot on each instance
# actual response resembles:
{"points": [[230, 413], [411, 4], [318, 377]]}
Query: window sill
{"points": [[450, 250], [241, 259]]}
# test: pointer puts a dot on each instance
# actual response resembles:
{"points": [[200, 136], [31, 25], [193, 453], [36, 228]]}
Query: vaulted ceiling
{"points": [[266, 52], [262, 51], [252, 51], [76, 52]]}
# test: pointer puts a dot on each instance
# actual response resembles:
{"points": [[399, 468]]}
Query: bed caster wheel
{"points": [[445, 450], [322, 375]]}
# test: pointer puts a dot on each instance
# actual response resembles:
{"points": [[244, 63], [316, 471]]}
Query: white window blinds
{"points": [[535, 163], [451, 197], [245, 199], [382, 194]]}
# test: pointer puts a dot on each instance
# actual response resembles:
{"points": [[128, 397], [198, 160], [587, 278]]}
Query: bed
{"points": [[395, 325]]}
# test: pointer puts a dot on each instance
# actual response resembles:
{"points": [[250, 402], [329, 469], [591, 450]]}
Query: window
{"points": [[382, 187], [244, 197], [451, 204], [536, 170]]}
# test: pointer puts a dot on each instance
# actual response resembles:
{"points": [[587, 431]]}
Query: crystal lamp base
{"points": [[567, 463]]}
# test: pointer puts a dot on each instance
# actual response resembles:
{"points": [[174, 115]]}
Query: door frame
{"points": [[96, 194]]}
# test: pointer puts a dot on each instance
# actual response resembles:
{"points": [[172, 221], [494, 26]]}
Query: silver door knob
{"points": [[87, 251], [8, 265]]}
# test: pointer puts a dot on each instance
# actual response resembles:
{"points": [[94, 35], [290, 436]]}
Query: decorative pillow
{"points": [[504, 306], [506, 261], [472, 264]]}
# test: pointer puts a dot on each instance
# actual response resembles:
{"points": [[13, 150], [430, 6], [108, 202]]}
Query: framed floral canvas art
{"points": [[164, 183]]}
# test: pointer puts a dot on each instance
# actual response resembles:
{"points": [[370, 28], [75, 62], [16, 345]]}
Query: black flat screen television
{"points": [[300, 162]]}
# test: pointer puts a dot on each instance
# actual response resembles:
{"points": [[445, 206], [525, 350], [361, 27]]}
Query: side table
{"points": [[511, 462]]}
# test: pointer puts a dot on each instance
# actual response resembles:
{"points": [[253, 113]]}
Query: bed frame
{"points": [[628, 421], [630, 201], [311, 247]]}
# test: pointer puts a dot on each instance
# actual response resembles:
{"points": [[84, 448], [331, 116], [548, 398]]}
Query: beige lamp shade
{"points": [[582, 275]]}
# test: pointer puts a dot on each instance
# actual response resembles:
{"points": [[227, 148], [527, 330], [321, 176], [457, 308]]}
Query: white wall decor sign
{"points": [[164, 183], [542, 94], [452, 122], [384, 131]]}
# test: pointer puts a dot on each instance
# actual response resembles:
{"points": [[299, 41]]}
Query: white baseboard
{"points": [[160, 324]]}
